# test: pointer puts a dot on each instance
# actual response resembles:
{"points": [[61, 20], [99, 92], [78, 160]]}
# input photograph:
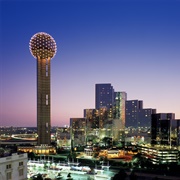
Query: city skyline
{"points": [[133, 45]]}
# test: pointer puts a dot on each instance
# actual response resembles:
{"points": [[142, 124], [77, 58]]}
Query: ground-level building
{"points": [[160, 154], [40, 150], [14, 167]]}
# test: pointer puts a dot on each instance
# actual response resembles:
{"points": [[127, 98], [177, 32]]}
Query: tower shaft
{"points": [[43, 101]]}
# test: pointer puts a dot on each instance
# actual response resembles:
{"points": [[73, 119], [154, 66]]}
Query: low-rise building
{"points": [[14, 167], [40, 150], [160, 154]]}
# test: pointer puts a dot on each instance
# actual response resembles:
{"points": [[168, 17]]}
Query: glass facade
{"points": [[104, 96], [120, 108], [136, 116], [132, 112], [78, 131], [164, 129]]}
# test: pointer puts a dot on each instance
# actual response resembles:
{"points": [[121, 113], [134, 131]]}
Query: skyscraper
{"points": [[43, 48], [144, 117], [92, 118], [136, 115], [78, 131], [119, 108], [164, 129], [132, 112], [104, 96], [119, 113]]}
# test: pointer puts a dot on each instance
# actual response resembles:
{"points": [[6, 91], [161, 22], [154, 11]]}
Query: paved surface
{"points": [[76, 175], [147, 176]]}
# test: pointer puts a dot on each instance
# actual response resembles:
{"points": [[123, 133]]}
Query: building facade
{"points": [[137, 116], [63, 137], [104, 96], [132, 112], [119, 115], [92, 118], [165, 129], [98, 123], [14, 167], [160, 155], [78, 131], [144, 118], [120, 108]]}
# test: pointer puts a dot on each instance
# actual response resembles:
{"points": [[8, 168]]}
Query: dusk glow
{"points": [[134, 45]]}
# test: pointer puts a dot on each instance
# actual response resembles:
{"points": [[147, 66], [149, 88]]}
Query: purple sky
{"points": [[134, 45]]}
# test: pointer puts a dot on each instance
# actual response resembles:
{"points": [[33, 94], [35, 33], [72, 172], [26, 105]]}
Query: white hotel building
{"points": [[14, 167]]}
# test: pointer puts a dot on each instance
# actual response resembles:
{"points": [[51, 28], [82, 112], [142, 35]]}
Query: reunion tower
{"points": [[43, 47]]}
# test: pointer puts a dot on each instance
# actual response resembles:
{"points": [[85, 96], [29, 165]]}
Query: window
{"points": [[46, 99], [8, 176], [8, 166], [46, 67], [21, 172], [21, 163]]}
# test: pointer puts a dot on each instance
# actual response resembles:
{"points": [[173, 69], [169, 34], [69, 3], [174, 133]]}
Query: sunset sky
{"points": [[132, 44]]}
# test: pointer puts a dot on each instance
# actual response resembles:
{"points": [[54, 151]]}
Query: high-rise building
{"points": [[164, 129], [137, 116], [119, 112], [164, 140], [43, 48], [103, 117], [98, 123], [97, 118], [92, 118], [104, 96], [120, 108], [132, 112], [144, 118], [78, 131], [63, 137]]}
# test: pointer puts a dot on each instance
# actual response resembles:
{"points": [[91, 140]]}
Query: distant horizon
{"points": [[94, 108]]}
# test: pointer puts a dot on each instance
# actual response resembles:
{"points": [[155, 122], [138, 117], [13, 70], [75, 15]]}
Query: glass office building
{"points": [[104, 96]]}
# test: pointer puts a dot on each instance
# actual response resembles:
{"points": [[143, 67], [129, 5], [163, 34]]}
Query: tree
{"points": [[72, 155], [107, 141], [92, 139], [133, 176], [120, 175], [1, 152], [95, 154], [31, 155], [69, 176], [39, 177]]}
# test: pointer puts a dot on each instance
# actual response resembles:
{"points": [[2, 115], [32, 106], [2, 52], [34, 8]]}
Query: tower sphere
{"points": [[42, 45]]}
